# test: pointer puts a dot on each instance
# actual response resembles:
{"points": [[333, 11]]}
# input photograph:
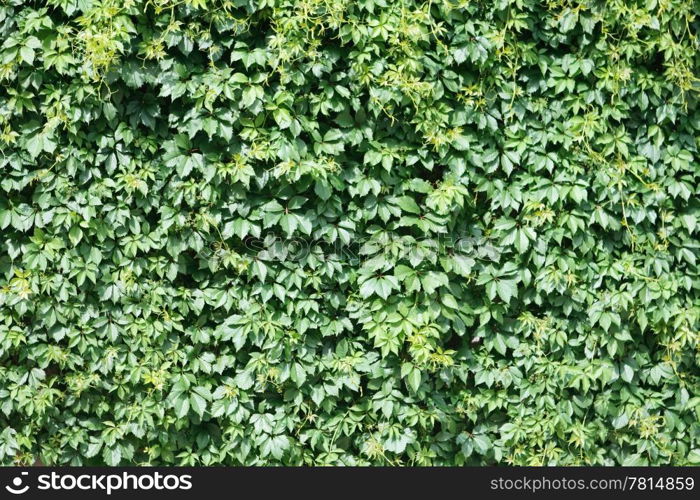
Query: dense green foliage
{"points": [[349, 232]]}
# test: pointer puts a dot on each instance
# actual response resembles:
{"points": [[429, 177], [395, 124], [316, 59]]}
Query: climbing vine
{"points": [[361, 232]]}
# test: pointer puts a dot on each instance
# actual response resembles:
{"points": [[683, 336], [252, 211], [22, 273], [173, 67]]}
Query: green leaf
{"points": [[449, 301], [250, 95], [506, 289], [197, 403], [297, 374], [414, 379], [182, 407], [27, 54], [408, 204], [283, 118], [75, 235], [112, 456]]}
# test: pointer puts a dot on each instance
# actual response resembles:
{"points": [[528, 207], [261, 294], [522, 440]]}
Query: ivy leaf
{"points": [[506, 289], [112, 456], [283, 118], [197, 403], [182, 407]]}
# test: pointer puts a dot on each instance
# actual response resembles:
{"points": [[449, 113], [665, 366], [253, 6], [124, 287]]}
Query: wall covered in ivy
{"points": [[363, 232]]}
